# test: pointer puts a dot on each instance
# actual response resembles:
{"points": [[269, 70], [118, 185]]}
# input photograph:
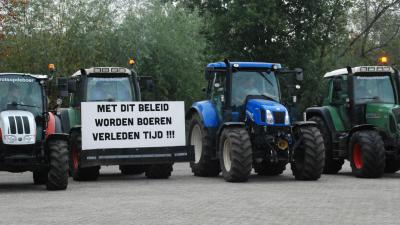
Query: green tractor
{"points": [[111, 84], [359, 119]]}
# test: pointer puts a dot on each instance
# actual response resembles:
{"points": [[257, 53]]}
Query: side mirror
{"points": [[337, 84], [299, 74], [62, 85]]}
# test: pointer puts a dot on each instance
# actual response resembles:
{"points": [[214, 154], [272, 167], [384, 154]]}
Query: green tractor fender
{"points": [[361, 127], [323, 113]]}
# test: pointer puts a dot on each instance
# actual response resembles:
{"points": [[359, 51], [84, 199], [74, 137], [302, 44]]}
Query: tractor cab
{"points": [[97, 84], [22, 107], [364, 95], [247, 90]]}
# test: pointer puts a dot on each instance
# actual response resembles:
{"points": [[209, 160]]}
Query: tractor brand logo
{"points": [[373, 116]]}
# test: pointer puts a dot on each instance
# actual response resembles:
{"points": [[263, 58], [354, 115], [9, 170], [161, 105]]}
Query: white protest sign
{"points": [[108, 125]]}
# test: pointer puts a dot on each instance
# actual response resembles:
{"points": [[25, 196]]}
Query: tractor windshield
{"points": [[109, 89], [21, 92], [245, 83], [373, 89]]}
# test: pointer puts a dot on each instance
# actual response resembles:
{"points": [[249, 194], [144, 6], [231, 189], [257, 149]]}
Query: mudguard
{"points": [[324, 114], [207, 112], [304, 123], [361, 127]]}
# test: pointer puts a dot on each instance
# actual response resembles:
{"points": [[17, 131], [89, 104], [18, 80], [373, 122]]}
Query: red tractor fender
{"points": [[51, 125]]}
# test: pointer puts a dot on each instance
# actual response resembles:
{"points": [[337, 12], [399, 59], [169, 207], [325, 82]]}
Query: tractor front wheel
{"points": [[235, 154], [57, 178], [332, 166], [367, 154], [199, 136], [309, 156], [78, 173]]}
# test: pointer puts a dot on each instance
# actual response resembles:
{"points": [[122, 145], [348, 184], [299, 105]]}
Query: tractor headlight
{"points": [[29, 138], [270, 118], [287, 120], [9, 139]]}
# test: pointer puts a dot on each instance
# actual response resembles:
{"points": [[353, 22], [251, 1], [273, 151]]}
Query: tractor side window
{"points": [[218, 89], [75, 98], [339, 90]]}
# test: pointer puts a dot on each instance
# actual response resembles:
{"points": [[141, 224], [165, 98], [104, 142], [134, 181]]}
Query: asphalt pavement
{"points": [[186, 199]]}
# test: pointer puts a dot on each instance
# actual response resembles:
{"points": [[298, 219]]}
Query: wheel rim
{"points": [[75, 157], [227, 155], [357, 156], [196, 140]]}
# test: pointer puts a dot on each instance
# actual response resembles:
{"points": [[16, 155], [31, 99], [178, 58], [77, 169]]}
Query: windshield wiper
{"points": [[370, 98], [265, 77], [103, 100], [14, 104]]}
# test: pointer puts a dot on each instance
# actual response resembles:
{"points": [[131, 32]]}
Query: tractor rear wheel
{"points": [[39, 177], [199, 136], [78, 173], [332, 166], [235, 154], [159, 171], [392, 165], [57, 178], [132, 169], [367, 156], [266, 168], [309, 157]]}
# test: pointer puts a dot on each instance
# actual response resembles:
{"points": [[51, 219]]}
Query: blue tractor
{"points": [[243, 125]]}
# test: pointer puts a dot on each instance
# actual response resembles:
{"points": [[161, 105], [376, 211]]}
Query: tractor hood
{"points": [[383, 115], [17, 127], [265, 112]]}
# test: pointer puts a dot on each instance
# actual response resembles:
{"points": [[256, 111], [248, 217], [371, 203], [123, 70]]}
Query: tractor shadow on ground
{"points": [[20, 187], [350, 174], [254, 178]]}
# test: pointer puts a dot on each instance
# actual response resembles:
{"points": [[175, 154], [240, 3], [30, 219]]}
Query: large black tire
{"points": [[78, 173], [309, 157], [235, 154], [203, 165], [58, 170], [392, 165], [367, 154], [39, 177], [159, 171], [132, 169], [332, 166], [266, 168]]}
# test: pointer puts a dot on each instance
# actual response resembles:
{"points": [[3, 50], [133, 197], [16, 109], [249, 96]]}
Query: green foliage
{"points": [[172, 40], [165, 41]]}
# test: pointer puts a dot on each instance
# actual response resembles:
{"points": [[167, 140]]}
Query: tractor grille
{"points": [[396, 113], [279, 117], [19, 124]]}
